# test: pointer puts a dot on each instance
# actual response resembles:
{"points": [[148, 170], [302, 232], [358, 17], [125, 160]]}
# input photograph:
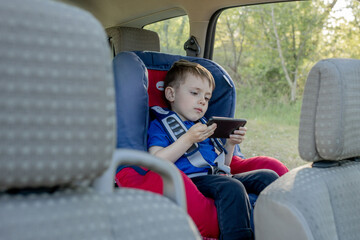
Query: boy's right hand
{"points": [[199, 132]]}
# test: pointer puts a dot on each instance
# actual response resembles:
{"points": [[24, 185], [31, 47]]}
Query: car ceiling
{"points": [[137, 13]]}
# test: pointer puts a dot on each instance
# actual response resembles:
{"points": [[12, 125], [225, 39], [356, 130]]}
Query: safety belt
{"points": [[192, 47], [176, 128]]}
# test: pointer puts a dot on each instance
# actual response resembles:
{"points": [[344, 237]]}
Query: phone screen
{"points": [[225, 126]]}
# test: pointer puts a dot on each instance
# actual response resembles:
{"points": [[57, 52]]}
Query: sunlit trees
{"points": [[275, 43]]}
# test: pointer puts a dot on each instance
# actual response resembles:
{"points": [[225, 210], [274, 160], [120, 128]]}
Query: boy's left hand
{"points": [[237, 137]]}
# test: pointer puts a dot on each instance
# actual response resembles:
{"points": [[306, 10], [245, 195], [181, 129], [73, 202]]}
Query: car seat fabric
{"points": [[57, 117], [44, 110], [320, 200], [239, 165], [132, 101], [329, 127], [201, 209]]}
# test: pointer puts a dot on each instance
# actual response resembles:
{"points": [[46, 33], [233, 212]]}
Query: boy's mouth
{"points": [[199, 110]]}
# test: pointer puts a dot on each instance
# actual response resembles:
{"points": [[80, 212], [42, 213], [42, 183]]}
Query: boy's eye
{"points": [[207, 99], [194, 93]]}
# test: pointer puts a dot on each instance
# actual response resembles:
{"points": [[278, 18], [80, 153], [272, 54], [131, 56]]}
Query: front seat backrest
{"points": [[321, 199], [56, 96], [57, 134]]}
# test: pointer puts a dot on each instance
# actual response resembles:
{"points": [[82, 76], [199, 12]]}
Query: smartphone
{"points": [[225, 126]]}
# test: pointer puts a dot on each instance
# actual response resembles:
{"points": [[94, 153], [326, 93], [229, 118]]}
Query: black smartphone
{"points": [[225, 126]]}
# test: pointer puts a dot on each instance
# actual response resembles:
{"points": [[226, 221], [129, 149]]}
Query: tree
{"points": [[340, 34], [273, 40], [301, 37]]}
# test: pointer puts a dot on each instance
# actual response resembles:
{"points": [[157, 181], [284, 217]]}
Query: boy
{"points": [[188, 88]]}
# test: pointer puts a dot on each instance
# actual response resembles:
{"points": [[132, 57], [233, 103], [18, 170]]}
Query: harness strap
{"points": [[175, 128]]}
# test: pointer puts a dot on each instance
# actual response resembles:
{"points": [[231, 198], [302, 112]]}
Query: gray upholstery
{"points": [[133, 39], [57, 135], [330, 117], [83, 214], [320, 200], [57, 121]]}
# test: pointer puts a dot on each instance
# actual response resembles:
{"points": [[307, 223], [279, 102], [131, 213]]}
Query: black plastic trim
{"points": [[210, 34]]}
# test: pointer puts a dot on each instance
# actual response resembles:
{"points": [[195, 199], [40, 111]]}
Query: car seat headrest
{"points": [[330, 114], [223, 100], [56, 97], [133, 39]]}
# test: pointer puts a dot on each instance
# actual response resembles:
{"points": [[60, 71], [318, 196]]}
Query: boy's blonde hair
{"points": [[179, 69]]}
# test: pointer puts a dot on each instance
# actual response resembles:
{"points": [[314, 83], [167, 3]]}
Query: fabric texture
{"points": [[85, 214], [311, 203], [131, 101], [201, 209], [54, 129], [131, 39], [330, 114]]}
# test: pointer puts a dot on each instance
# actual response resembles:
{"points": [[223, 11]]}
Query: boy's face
{"points": [[191, 98]]}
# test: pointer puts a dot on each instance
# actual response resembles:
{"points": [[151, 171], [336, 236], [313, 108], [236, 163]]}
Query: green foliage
{"points": [[272, 127], [341, 33], [173, 33], [275, 45]]}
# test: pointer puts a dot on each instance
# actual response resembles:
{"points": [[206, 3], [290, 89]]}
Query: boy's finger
{"points": [[212, 126], [239, 132]]}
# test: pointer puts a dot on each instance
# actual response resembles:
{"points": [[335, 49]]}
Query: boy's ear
{"points": [[170, 94]]}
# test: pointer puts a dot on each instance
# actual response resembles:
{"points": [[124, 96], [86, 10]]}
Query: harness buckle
{"points": [[215, 170]]}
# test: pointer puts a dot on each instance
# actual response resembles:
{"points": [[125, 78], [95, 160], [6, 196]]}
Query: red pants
{"points": [[201, 209]]}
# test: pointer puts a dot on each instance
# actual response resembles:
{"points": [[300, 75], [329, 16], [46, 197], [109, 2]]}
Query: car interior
{"points": [[77, 79]]}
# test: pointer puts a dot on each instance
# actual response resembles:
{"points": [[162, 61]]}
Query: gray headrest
{"points": [[133, 39], [330, 114], [56, 95]]}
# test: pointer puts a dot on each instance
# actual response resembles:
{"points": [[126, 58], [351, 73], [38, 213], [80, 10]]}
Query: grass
{"points": [[272, 130]]}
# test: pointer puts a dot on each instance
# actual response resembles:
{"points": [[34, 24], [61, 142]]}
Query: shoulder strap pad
{"points": [[173, 125]]}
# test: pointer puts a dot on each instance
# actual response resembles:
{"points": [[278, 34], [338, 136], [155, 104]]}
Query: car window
{"points": [[268, 51], [173, 33]]}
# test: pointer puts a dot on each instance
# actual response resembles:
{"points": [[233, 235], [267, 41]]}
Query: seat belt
{"points": [[175, 128], [192, 47], [112, 46]]}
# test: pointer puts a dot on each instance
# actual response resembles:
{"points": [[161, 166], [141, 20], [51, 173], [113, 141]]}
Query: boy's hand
{"points": [[199, 132], [237, 137]]}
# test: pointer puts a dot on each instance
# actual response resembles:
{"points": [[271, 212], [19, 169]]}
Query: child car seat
{"points": [[133, 117]]}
